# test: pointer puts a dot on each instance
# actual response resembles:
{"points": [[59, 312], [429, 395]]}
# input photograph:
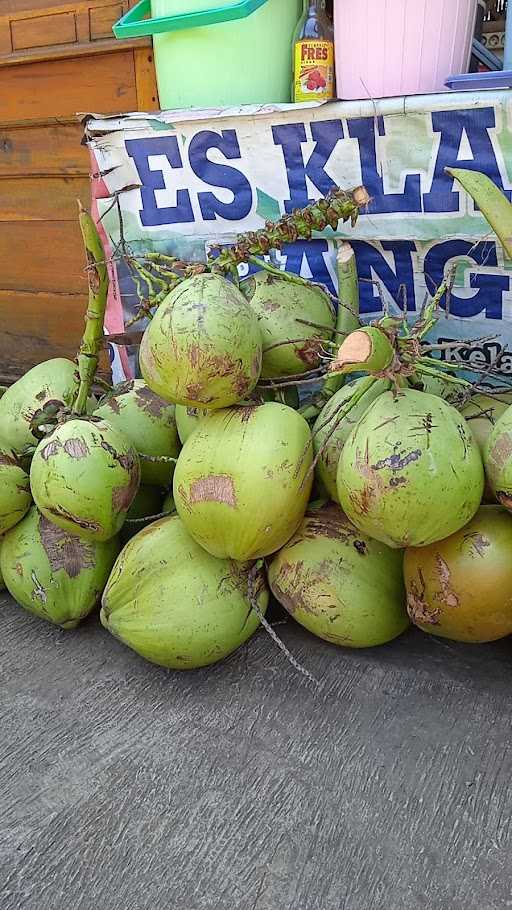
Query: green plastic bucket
{"points": [[208, 55]]}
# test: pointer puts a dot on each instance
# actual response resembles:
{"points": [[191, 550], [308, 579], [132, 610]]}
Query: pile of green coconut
{"points": [[274, 447]]}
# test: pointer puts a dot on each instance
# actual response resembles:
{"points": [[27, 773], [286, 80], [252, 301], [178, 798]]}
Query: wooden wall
{"points": [[56, 60]]}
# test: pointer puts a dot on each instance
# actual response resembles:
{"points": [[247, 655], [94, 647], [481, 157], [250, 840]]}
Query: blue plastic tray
{"points": [[475, 81]]}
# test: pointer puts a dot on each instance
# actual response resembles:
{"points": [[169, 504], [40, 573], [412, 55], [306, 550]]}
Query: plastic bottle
{"points": [[313, 55]]}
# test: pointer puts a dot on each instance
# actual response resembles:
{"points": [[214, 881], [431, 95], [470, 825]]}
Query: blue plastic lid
{"points": [[467, 82]]}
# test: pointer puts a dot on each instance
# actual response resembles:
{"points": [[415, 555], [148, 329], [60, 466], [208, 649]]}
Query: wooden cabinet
{"points": [[57, 60]]}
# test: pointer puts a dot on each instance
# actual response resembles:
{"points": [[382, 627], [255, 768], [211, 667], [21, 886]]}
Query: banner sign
{"points": [[177, 181]]}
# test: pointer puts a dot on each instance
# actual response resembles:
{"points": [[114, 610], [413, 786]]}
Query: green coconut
{"points": [[53, 382], [84, 478], [176, 605], [329, 439], [168, 505], [149, 423], [203, 347], [411, 472], [461, 587], [15, 495], [53, 573], [289, 346], [482, 413], [2, 583], [498, 460], [187, 419], [339, 584], [147, 503], [243, 480]]}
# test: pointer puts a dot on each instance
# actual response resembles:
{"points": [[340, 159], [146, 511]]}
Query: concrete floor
{"points": [[125, 787]]}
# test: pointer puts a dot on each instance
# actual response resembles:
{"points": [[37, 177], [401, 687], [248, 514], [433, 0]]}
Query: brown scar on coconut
{"points": [[329, 524], [76, 448], [9, 460], [310, 352], [61, 512], [478, 542], [214, 488], [417, 608], [122, 496], [51, 449], [150, 402], [65, 550], [445, 595], [124, 459], [294, 600], [502, 450], [505, 499], [195, 391]]}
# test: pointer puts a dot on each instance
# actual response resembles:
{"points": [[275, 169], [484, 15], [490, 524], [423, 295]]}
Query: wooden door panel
{"points": [[43, 198], [39, 91], [42, 257], [39, 31], [58, 58], [35, 327], [26, 26], [46, 150]]}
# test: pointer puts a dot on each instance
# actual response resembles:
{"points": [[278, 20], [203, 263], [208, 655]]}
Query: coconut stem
{"points": [[97, 276], [337, 417], [339, 205], [282, 344], [280, 384], [458, 367], [348, 290], [422, 367], [347, 321], [170, 262], [252, 593], [428, 318], [291, 277], [154, 283], [139, 521], [275, 380], [143, 312], [317, 325]]}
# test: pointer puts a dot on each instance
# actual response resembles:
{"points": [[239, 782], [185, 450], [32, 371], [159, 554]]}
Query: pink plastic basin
{"points": [[400, 47]]}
